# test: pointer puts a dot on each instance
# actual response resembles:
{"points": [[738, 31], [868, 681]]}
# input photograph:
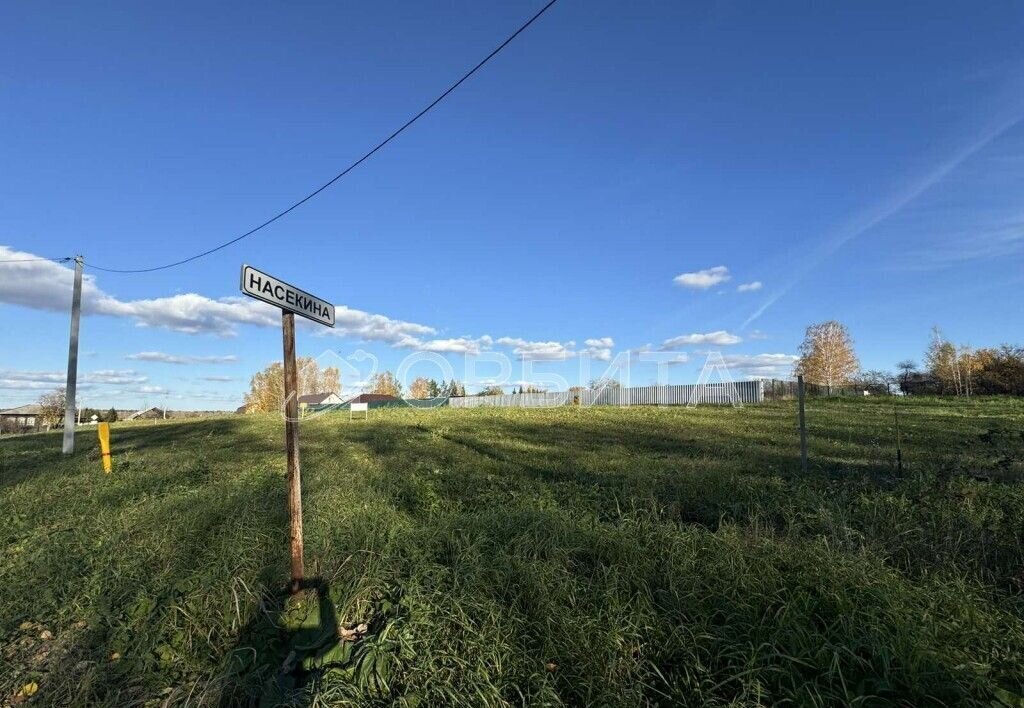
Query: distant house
{"points": [[21, 419], [319, 399], [373, 398]]}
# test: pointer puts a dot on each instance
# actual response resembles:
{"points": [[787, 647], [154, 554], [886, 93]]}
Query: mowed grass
{"points": [[607, 557]]}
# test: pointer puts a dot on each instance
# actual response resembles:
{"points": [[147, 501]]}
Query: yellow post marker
{"points": [[103, 429]]}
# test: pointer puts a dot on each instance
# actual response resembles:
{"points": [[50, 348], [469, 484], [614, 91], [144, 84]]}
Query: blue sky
{"points": [[861, 162]]}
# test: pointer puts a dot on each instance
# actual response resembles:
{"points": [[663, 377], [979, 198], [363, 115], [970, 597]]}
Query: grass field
{"points": [[611, 557]]}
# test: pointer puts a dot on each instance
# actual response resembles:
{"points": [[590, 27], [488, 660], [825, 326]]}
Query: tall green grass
{"points": [[544, 557]]}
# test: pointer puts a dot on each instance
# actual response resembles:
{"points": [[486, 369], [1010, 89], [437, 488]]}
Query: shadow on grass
{"points": [[284, 649]]}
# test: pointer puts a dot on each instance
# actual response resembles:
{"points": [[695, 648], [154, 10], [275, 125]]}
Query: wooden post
{"points": [[291, 441], [803, 423]]}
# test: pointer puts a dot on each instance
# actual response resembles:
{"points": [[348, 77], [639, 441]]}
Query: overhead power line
{"points": [[348, 169], [37, 260]]}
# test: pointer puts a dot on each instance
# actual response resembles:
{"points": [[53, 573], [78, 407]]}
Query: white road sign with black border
{"points": [[278, 293]]}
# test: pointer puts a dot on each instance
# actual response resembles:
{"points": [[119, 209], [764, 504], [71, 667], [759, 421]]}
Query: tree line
{"points": [[266, 387], [827, 358]]}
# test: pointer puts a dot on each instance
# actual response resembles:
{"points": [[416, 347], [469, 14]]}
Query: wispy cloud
{"points": [[983, 243], [703, 279], [867, 219], [47, 380], [182, 358], [749, 287]]}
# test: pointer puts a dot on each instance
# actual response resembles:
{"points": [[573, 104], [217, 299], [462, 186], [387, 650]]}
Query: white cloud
{"points": [[369, 327], [599, 348], [539, 351], [718, 338], [114, 376], [456, 345], [18, 384], [45, 285], [218, 378], [182, 358], [762, 365], [648, 354], [703, 279], [47, 380], [749, 287]]}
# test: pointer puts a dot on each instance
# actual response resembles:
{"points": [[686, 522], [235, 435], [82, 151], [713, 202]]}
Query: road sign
{"points": [[292, 301], [278, 293]]}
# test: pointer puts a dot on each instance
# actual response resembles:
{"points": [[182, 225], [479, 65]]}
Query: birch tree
{"points": [[266, 388], [827, 356], [423, 387], [386, 383], [944, 363]]}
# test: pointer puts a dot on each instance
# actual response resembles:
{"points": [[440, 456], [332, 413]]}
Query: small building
{"points": [[319, 399], [21, 419]]}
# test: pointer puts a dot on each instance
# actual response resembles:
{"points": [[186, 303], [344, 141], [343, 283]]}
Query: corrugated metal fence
{"points": [[712, 393]]}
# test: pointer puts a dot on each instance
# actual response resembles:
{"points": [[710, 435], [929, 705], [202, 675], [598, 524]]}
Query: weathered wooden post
{"points": [[292, 301], [291, 445]]}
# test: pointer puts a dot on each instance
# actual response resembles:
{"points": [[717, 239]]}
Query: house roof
{"points": [[28, 409], [315, 398]]}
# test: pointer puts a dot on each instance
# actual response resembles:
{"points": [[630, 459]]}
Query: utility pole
{"points": [[72, 382]]}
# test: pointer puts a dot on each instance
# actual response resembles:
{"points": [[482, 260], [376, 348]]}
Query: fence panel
{"points": [[676, 395], [518, 400]]}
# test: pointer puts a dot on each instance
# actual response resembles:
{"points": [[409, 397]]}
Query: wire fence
{"points": [[784, 390]]}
